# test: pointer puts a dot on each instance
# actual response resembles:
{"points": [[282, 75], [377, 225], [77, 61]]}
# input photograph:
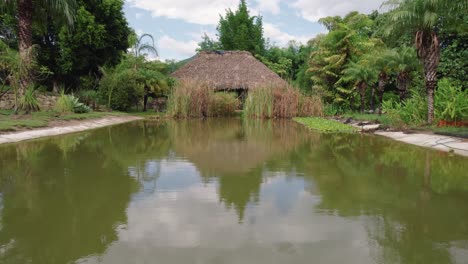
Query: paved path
{"points": [[76, 127], [439, 142]]}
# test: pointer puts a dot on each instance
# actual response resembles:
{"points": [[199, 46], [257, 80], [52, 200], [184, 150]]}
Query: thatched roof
{"points": [[228, 70]]}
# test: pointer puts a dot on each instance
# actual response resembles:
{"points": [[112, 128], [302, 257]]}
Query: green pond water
{"points": [[230, 191]]}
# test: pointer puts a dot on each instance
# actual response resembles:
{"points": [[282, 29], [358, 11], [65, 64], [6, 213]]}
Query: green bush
{"points": [[121, 90], [450, 101], [88, 97]]}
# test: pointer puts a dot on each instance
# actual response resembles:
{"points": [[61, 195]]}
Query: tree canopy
{"points": [[239, 31]]}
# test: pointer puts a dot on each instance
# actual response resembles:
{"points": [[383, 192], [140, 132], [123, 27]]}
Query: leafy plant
{"points": [[410, 112], [69, 103], [451, 102]]}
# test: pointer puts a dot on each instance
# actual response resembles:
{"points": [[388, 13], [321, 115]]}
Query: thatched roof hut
{"points": [[228, 70]]}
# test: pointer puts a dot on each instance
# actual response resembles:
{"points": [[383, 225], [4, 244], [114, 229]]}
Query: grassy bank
{"points": [[325, 125], [10, 122]]}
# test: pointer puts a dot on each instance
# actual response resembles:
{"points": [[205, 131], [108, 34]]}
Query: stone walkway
{"points": [[78, 126], [439, 142]]}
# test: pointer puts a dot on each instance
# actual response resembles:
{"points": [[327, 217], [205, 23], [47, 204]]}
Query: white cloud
{"points": [[203, 12], [281, 38], [272, 6], [313, 10], [180, 48]]}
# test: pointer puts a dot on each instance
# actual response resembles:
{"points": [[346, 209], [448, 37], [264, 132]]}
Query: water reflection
{"points": [[229, 191]]}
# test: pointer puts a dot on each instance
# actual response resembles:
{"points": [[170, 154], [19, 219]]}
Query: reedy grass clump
{"points": [[281, 102], [28, 102], [190, 99]]}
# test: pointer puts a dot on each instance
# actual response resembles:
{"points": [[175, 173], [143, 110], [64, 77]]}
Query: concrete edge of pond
{"points": [[72, 127], [438, 142]]}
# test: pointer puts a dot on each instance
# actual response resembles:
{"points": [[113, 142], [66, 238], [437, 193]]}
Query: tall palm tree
{"points": [[405, 63], [26, 12], [362, 75], [422, 17], [382, 60], [140, 47]]}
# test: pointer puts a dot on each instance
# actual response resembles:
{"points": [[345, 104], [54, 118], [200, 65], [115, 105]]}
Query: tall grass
{"points": [[281, 102], [28, 102], [190, 99]]}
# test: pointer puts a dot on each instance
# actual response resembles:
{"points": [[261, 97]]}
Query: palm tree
{"points": [[26, 11], [422, 17], [405, 63], [362, 75], [140, 47], [383, 62]]}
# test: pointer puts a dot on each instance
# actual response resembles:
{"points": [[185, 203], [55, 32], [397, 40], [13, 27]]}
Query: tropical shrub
{"points": [[70, 104], [191, 99], [451, 104], [451, 101], [410, 112]]}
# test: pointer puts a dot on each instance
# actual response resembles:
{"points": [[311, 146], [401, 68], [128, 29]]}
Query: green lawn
{"points": [[325, 125], [10, 122]]}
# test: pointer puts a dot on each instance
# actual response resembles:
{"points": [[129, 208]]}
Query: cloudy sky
{"points": [[178, 25]]}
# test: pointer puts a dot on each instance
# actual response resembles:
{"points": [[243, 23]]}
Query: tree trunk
{"points": [[362, 91], [372, 99], [402, 84], [55, 87], [427, 44], [383, 77], [25, 20]]}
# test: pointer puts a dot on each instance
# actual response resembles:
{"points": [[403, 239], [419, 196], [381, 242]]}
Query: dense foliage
{"points": [[124, 86]]}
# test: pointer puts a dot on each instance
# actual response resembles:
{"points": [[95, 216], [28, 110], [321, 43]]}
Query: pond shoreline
{"points": [[438, 142], [444, 143], [65, 127]]}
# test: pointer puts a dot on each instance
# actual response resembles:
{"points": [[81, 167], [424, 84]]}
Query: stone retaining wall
{"points": [[45, 101]]}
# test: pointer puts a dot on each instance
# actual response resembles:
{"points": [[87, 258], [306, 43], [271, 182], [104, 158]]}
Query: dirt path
{"points": [[65, 127]]}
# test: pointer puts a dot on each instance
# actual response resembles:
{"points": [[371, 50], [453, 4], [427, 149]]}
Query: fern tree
{"points": [[423, 18], [347, 40]]}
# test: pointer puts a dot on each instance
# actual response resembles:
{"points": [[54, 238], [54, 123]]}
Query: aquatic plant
{"points": [[192, 99], [281, 102]]}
